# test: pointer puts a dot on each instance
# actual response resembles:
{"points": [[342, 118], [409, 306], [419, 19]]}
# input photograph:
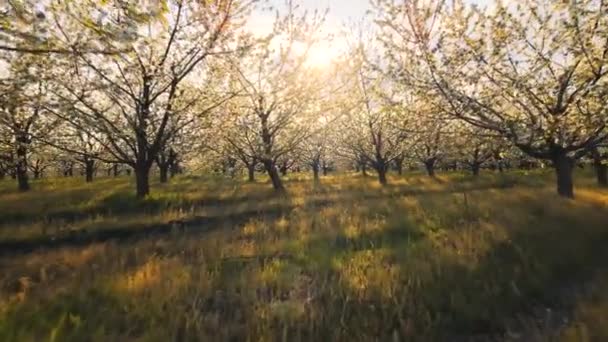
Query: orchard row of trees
{"points": [[440, 84]]}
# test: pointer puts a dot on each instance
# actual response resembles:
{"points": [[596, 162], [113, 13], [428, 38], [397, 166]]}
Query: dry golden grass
{"points": [[452, 258]]}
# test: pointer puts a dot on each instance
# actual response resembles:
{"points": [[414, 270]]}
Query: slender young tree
{"points": [[279, 89], [22, 113], [376, 122]]}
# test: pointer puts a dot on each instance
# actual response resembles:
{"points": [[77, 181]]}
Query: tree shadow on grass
{"points": [[526, 284], [391, 283], [246, 205]]}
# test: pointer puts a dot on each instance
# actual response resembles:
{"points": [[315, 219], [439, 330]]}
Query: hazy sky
{"points": [[340, 11]]}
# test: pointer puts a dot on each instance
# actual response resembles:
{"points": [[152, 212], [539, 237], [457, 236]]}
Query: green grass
{"points": [[453, 258]]}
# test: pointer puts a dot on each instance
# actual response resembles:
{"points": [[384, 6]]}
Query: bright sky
{"points": [[341, 12]]}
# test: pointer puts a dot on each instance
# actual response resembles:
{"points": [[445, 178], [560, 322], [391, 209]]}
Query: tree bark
{"points": [[381, 168], [69, 170], [21, 167], [601, 169], [382, 175], [429, 165], [89, 166], [251, 173], [175, 169], [399, 164], [563, 168], [273, 173], [142, 180], [115, 170], [315, 171], [284, 169], [475, 167], [164, 171]]}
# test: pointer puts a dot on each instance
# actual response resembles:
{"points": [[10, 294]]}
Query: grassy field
{"points": [[454, 258]]}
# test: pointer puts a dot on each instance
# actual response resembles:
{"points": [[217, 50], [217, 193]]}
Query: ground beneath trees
{"points": [[451, 258]]}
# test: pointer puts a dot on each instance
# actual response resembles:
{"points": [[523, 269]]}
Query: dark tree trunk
{"points": [[284, 169], [475, 167], [164, 171], [382, 175], [364, 169], [273, 173], [89, 171], [563, 168], [69, 171], [142, 180], [381, 168], [175, 168], [399, 164], [601, 169], [251, 173], [115, 170], [37, 174], [21, 168], [315, 171], [429, 165]]}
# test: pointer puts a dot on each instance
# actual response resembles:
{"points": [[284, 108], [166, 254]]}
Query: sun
{"points": [[322, 55]]}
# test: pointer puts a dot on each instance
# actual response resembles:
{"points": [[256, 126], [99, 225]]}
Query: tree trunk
{"points": [[115, 170], [284, 169], [164, 171], [21, 168], [315, 171], [399, 163], [601, 169], [89, 166], [273, 173], [475, 167], [251, 173], [381, 168], [174, 169], [430, 167], [142, 178], [563, 168], [364, 169], [382, 175]]}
